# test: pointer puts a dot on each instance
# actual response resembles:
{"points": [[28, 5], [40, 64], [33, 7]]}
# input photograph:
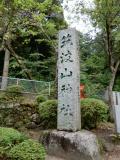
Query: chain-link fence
{"points": [[30, 86]]}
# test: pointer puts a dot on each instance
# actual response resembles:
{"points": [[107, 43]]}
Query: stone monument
{"points": [[75, 145], [68, 81]]}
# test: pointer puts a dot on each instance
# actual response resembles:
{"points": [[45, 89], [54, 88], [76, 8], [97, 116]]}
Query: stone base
{"points": [[82, 145]]}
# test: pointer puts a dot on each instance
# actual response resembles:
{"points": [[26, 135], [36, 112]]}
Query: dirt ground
{"points": [[109, 141]]}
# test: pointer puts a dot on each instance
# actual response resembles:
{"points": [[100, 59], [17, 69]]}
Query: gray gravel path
{"points": [[53, 158]]}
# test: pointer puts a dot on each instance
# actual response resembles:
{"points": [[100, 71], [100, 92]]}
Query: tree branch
{"points": [[11, 50]]}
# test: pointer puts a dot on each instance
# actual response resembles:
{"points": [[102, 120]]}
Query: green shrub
{"points": [[48, 113], [14, 145], [8, 138], [93, 111], [27, 150], [41, 98]]}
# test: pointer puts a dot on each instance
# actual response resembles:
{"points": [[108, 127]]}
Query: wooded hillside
{"points": [[28, 32]]}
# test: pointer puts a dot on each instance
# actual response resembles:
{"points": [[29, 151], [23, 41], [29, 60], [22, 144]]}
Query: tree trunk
{"points": [[12, 52], [5, 70], [110, 89], [21, 64]]}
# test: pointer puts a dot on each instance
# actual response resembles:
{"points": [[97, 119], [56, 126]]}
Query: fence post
{"points": [[17, 81], [49, 88]]}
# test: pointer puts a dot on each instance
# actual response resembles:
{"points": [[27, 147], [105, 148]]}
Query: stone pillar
{"points": [[69, 118], [116, 111]]}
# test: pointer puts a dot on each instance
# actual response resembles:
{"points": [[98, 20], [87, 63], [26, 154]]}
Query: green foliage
{"points": [[52, 92], [12, 94], [8, 138], [2, 97], [117, 84], [20, 115], [32, 29], [16, 110], [48, 113], [15, 89], [101, 54], [95, 74], [94, 90], [41, 98], [93, 111], [27, 150], [14, 145]]}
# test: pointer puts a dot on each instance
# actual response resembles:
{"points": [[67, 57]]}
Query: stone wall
{"points": [[19, 115], [30, 96]]}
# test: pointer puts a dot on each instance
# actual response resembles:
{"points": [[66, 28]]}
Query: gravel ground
{"points": [[111, 156], [53, 158]]}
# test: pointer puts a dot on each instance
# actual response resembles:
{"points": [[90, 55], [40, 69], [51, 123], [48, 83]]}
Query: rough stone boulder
{"points": [[82, 145]]}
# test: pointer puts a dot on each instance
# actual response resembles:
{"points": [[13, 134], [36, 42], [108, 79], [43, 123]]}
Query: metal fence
{"points": [[30, 86]]}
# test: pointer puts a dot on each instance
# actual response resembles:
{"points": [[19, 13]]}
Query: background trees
{"points": [[29, 31], [106, 16], [101, 66]]}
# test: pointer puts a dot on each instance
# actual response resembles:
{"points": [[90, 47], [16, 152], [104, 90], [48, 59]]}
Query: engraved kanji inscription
{"points": [[67, 73], [66, 57], [66, 109], [66, 40], [66, 88]]}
